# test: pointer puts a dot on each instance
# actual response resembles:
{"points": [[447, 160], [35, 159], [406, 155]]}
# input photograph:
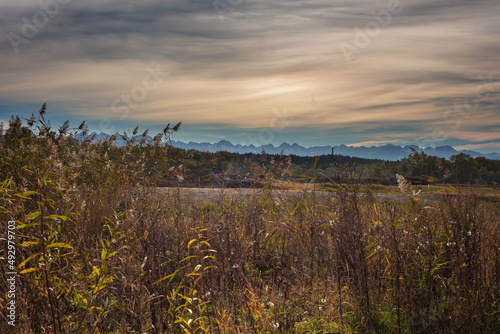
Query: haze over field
{"points": [[256, 72]]}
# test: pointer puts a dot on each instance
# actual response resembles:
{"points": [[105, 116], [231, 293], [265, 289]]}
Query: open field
{"points": [[299, 190], [213, 193], [262, 262], [96, 251]]}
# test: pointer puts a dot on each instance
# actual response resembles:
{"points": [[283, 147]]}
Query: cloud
{"points": [[493, 145], [374, 143], [232, 73]]}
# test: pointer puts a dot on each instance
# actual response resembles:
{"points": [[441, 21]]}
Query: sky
{"points": [[312, 72]]}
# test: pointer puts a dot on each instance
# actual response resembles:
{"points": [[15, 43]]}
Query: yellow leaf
{"points": [[29, 270], [25, 194], [57, 216], [29, 243], [204, 242], [209, 267], [166, 277], [191, 242], [187, 258], [22, 264], [103, 254], [59, 245], [33, 215], [18, 227], [193, 274]]}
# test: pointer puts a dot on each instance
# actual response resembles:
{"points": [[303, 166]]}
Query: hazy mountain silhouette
{"points": [[386, 152]]}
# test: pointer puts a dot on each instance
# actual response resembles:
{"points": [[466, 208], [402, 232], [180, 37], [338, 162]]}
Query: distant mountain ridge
{"points": [[386, 152]]}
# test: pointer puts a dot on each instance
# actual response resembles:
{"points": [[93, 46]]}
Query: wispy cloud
{"points": [[494, 145], [374, 143], [263, 55]]}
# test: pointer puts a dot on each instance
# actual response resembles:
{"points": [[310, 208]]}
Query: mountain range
{"points": [[386, 152]]}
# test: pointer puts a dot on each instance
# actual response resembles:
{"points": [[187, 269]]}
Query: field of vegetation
{"points": [[101, 249]]}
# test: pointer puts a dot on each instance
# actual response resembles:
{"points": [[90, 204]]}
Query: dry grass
{"points": [[101, 251]]}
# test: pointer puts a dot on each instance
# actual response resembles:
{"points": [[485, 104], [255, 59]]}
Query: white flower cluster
{"points": [[403, 184]]}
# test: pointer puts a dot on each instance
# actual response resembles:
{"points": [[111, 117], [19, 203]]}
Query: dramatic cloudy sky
{"points": [[315, 72]]}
